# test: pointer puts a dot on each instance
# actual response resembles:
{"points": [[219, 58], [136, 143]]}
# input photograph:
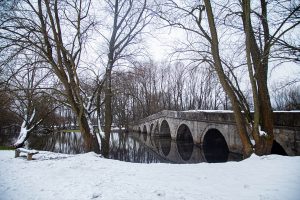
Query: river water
{"points": [[129, 147]]}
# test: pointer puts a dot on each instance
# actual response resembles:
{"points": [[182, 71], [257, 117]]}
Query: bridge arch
{"points": [[215, 147], [151, 128], [156, 130], [165, 129], [278, 149], [184, 134], [185, 142], [144, 129], [139, 130]]}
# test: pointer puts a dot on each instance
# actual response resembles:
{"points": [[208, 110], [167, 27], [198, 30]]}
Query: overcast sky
{"points": [[162, 42]]}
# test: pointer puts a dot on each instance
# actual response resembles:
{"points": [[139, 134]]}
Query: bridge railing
{"points": [[224, 116], [281, 118]]}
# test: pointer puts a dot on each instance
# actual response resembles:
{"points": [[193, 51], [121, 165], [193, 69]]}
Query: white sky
{"points": [[162, 45], [284, 72]]}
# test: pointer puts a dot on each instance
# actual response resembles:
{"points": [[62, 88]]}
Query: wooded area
{"points": [[85, 63]]}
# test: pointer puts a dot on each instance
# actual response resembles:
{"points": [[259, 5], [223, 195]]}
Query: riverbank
{"points": [[87, 176]]}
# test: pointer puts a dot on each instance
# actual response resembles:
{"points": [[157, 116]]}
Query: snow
{"points": [[261, 132], [25, 130], [101, 133], [231, 111], [22, 135], [286, 111], [88, 176], [210, 111], [28, 151]]}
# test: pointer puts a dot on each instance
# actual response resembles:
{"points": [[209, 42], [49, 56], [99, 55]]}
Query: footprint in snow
{"points": [[160, 193], [96, 196], [246, 186]]}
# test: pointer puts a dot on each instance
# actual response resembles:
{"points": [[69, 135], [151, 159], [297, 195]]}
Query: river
{"points": [[129, 147]]}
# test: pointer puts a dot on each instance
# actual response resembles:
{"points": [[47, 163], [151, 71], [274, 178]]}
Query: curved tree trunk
{"points": [[240, 119], [263, 110], [86, 133], [264, 146]]}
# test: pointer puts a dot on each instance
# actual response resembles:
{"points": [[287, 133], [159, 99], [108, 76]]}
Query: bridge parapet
{"points": [[281, 118], [287, 118]]}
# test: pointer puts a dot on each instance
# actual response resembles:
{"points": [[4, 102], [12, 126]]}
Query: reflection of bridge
{"points": [[176, 152], [217, 129]]}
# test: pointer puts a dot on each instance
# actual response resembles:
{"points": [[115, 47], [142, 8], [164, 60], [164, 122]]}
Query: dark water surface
{"points": [[130, 147]]}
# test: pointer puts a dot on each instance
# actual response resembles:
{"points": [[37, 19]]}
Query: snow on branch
{"points": [[262, 133]]}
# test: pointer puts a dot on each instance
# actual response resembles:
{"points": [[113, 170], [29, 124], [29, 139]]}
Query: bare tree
{"points": [[258, 48], [129, 18], [29, 101], [56, 31], [191, 18], [208, 20], [286, 97]]}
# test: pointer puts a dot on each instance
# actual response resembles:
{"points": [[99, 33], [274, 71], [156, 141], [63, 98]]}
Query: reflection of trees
{"points": [[145, 136], [60, 142], [8, 135], [156, 143], [156, 130], [128, 148]]}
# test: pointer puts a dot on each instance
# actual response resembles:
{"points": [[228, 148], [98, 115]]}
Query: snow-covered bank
{"points": [[87, 176]]}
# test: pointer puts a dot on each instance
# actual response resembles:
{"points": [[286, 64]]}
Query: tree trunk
{"points": [[239, 118], [86, 133], [263, 109], [256, 117], [108, 114], [267, 122]]}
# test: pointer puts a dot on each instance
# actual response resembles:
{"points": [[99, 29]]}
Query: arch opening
{"points": [[278, 149], [215, 146], [165, 130], [184, 134], [185, 142], [145, 132], [144, 129], [139, 130], [151, 129]]}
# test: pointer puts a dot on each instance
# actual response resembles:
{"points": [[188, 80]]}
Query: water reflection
{"points": [[133, 147], [59, 142], [215, 154], [185, 149], [184, 152], [127, 148], [165, 145], [7, 139], [145, 136]]}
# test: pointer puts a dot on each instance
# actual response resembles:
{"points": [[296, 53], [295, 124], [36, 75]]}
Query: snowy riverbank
{"points": [[87, 176]]}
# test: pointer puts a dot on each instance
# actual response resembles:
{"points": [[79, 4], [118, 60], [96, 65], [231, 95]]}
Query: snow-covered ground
{"points": [[87, 176]]}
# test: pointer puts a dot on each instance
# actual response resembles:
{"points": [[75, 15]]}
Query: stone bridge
{"points": [[217, 129]]}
